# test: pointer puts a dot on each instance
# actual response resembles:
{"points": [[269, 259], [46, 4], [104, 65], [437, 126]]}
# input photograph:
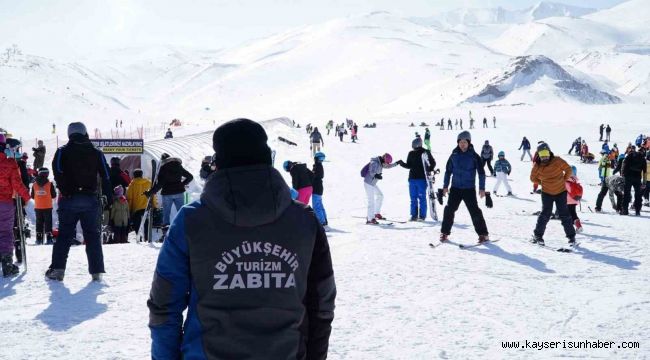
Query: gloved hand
{"points": [[440, 195], [378, 176], [488, 200], [147, 193]]}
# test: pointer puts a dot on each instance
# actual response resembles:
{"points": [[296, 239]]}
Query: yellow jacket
{"points": [[134, 194], [647, 170], [552, 176]]}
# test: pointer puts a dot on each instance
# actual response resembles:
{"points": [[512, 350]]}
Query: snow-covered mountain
{"points": [[500, 15], [525, 71]]}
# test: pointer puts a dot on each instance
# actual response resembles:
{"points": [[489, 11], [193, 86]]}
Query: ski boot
{"points": [[8, 268], [372, 222], [48, 239], [97, 277], [55, 274], [413, 219], [421, 219], [483, 239], [578, 225], [379, 217], [444, 237], [39, 238], [572, 241], [597, 209], [509, 193], [537, 240]]}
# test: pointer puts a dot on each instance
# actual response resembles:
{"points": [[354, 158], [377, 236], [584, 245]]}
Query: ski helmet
{"points": [[542, 146], [501, 153], [44, 172], [388, 159], [464, 135], [286, 165], [320, 156], [574, 169], [416, 143]]}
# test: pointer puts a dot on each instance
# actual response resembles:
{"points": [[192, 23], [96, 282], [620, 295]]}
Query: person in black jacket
{"points": [[76, 167], [417, 178], [39, 155], [302, 179], [118, 176], [251, 266], [633, 170], [172, 179], [317, 196]]}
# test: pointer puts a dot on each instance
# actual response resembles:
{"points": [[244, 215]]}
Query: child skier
{"points": [[43, 191], [120, 216], [574, 193], [317, 196], [502, 168], [302, 179]]}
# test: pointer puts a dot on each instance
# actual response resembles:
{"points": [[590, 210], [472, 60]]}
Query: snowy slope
{"points": [[397, 298]]}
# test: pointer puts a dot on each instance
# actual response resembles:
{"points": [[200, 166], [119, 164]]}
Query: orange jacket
{"points": [[552, 175], [43, 195]]}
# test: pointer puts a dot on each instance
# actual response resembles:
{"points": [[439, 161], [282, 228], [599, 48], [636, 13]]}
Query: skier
{"points": [[137, 200], [615, 186], [502, 169], [43, 192], [633, 170], [353, 134], [302, 179], [608, 132], [118, 176], [355, 127], [471, 123], [371, 174], [494, 121], [245, 208], [39, 155], [449, 127], [76, 166], [525, 145], [119, 216], [172, 179], [10, 184], [417, 179], [552, 173], [427, 139], [463, 165], [600, 130], [341, 132], [486, 155], [485, 125], [574, 194], [53, 128], [461, 123], [604, 166], [317, 196], [168, 134], [456, 124], [316, 140]]}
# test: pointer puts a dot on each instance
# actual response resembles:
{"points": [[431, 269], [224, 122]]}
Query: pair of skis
{"points": [[20, 216], [462, 246], [147, 217]]}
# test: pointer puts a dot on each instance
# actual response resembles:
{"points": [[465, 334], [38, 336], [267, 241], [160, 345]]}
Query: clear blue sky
{"points": [[71, 28]]}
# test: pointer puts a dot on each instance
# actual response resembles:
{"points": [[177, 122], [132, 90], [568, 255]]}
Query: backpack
{"points": [[575, 190], [364, 170]]}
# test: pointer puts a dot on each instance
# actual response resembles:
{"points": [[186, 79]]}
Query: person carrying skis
{"points": [[137, 200], [316, 139], [76, 167], [417, 178], [427, 139], [39, 155], [371, 174], [243, 309], [502, 169], [486, 155], [574, 194], [525, 145], [171, 180], [302, 179], [615, 186], [119, 217], [43, 191], [462, 167], [317, 196], [552, 173], [10, 184], [633, 170]]}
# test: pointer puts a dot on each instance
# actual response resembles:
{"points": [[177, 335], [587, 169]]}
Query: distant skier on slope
{"points": [[552, 173], [502, 168], [461, 170], [525, 145]]}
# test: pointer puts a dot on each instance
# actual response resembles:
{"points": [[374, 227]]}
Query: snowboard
{"points": [[431, 194]]}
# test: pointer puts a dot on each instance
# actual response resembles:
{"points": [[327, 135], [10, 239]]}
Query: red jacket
{"points": [[10, 182]]}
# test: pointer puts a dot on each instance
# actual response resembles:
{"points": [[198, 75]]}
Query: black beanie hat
{"points": [[240, 142]]}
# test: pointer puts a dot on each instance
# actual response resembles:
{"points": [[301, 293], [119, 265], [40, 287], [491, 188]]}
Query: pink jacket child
{"points": [[574, 194]]}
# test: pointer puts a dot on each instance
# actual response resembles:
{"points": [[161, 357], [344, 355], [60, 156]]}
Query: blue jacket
{"points": [[502, 166], [525, 144], [464, 166]]}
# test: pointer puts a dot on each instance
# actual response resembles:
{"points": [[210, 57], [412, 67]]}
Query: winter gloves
{"points": [[378, 176], [488, 200], [440, 195]]}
